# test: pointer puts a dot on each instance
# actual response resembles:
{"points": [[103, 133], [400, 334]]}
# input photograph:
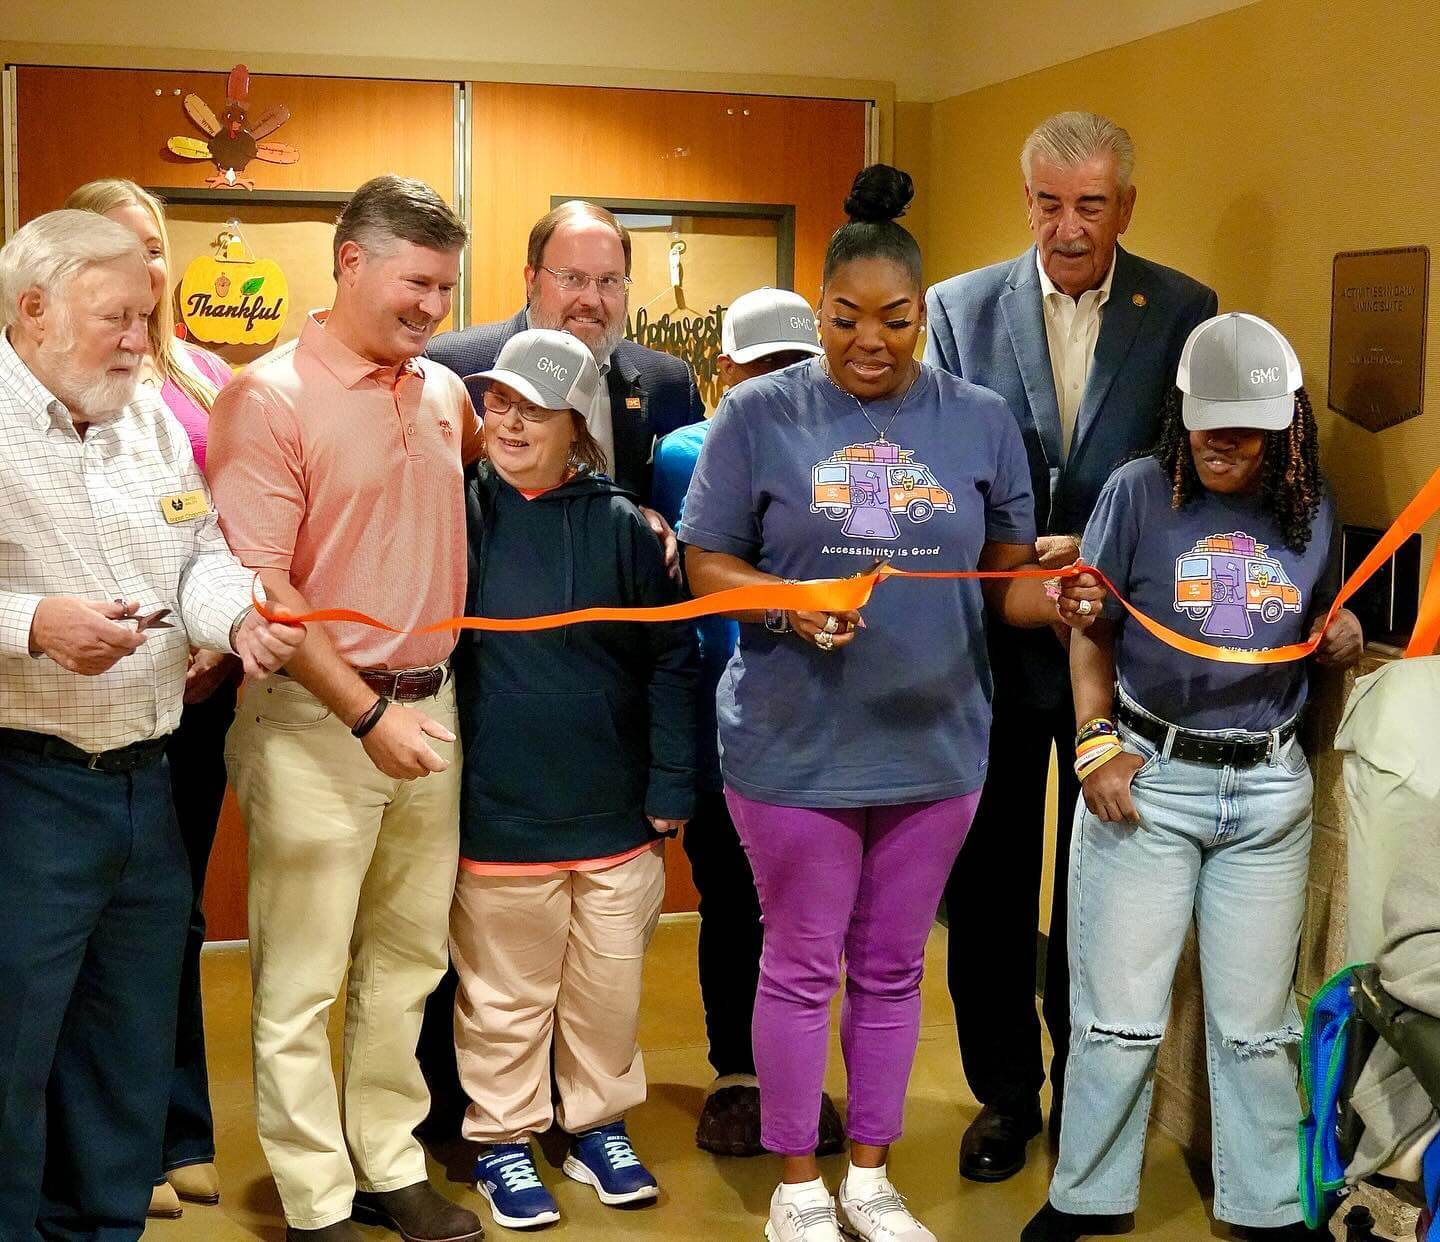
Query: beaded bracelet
{"points": [[1100, 726]]}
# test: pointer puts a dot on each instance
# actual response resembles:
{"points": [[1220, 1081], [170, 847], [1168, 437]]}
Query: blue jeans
{"points": [[1230, 846], [94, 891]]}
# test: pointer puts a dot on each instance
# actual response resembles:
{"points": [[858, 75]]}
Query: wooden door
{"points": [[531, 143]]}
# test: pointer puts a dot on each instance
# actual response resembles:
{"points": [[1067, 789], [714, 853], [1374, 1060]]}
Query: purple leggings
{"points": [[866, 883]]}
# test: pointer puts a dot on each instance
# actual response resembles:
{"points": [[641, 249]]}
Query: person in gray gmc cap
{"points": [[579, 756], [1196, 792]]}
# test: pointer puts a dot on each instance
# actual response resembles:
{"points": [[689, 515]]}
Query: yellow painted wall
{"points": [[1268, 139]]}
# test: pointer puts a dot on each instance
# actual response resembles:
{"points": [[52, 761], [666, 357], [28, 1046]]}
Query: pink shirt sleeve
{"points": [[256, 475]]}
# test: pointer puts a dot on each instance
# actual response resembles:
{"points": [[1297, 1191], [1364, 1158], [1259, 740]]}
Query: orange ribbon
{"points": [[852, 594]]}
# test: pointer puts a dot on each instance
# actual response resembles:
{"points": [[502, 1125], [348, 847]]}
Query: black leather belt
{"points": [[123, 759], [1215, 752], [405, 685]]}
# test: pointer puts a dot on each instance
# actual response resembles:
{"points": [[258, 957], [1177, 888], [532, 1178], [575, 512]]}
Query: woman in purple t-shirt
{"points": [[188, 379], [1196, 791], [854, 752]]}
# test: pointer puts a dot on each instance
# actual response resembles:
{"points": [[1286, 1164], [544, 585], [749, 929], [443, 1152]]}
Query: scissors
{"points": [[151, 621]]}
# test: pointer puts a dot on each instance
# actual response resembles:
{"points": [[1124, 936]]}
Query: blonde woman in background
{"points": [[188, 379]]}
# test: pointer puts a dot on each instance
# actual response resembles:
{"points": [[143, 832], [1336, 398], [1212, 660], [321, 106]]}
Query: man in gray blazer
{"points": [[1082, 340]]}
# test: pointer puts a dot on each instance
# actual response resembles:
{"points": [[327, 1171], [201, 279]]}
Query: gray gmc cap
{"points": [[768, 321], [1236, 370], [553, 369]]}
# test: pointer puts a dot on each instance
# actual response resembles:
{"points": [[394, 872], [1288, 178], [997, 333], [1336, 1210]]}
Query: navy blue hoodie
{"points": [[572, 737]]}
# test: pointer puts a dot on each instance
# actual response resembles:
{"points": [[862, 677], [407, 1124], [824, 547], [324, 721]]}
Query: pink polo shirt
{"points": [[348, 475]]}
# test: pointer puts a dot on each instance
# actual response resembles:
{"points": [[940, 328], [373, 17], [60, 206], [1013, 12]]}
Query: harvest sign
{"points": [[233, 298]]}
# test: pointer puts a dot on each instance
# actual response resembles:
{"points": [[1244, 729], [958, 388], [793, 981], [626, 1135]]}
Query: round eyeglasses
{"points": [[497, 403]]}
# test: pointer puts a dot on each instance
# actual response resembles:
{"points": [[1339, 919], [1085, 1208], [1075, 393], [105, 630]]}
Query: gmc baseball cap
{"points": [[553, 369], [1236, 370], [768, 321]]}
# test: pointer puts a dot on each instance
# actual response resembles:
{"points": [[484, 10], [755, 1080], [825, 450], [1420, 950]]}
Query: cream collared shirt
{"points": [[1072, 326]]}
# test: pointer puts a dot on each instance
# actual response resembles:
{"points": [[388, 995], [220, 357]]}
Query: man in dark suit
{"points": [[577, 280], [1082, 340]]}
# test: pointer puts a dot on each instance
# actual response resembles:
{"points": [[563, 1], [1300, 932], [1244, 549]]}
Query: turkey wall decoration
{"points": [[234, 298], [232, 141]]}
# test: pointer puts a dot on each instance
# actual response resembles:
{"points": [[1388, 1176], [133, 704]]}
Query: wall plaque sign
{"points": [[1378, 302], [234, 298]]}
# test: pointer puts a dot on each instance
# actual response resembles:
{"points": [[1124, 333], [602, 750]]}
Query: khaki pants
{"points": [[551, 959], [348, 867], [1392, 790]]}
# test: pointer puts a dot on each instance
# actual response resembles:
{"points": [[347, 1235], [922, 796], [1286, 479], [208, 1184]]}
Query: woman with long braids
{"points": [[1196, 790], [854, 752]]}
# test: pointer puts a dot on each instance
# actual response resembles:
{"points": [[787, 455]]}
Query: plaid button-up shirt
{"points": [[83, 517]]}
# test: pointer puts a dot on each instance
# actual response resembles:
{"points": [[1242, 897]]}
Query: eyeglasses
{"points": [[495, 403], [611, 285]]}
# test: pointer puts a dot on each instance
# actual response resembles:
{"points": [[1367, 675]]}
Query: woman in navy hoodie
{"points": [[579, 757]]}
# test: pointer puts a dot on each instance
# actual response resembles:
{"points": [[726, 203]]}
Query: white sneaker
{"points": [[809, 1217], [881, 1216]]}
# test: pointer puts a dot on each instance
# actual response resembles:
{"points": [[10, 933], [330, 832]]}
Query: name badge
{"points": [[632, 403], [183, 506]]}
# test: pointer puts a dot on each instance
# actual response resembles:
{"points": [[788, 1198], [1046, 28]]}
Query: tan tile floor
{"points": [[702, 1198]]}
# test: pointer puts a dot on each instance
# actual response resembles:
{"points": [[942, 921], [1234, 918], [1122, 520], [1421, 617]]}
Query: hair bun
{"points": [[879, 192]]}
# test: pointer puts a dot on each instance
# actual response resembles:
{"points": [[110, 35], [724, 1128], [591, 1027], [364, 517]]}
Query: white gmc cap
{"points": [[1236, 370], [768, 321]]}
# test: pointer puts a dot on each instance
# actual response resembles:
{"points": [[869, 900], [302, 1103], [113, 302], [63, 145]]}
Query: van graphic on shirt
{"points": [[1223, 579], [866, 485]]}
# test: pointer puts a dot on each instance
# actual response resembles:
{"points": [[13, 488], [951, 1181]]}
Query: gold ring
{"points": [[832, 624], [1084, 608], [824, 640]]}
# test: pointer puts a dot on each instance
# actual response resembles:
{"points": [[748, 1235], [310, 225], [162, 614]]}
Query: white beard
{"points": [[92, 398]]}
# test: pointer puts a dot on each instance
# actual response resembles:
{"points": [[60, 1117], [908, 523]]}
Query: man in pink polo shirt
{"points": [[336, 463]]}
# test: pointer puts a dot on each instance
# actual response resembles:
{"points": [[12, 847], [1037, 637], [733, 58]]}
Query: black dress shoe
{"points": [[418, 1213], [994, 1146], [1050, 1224]]}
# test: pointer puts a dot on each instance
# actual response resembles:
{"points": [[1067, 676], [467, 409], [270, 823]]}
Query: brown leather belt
{"points": [[405, 685]]}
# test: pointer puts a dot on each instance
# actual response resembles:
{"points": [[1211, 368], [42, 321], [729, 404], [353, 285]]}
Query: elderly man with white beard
{"points": [[112, 566]]}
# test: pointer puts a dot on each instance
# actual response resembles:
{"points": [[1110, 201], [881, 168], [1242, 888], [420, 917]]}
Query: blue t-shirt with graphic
{"points": [[1217, 571], [800, 480]]}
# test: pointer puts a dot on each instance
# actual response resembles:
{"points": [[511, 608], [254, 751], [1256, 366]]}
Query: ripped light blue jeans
{"points": [[1230, 846]]}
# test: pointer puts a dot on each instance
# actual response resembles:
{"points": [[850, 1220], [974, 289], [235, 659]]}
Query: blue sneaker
{"points": [[506, 1176], [604, 1159]]}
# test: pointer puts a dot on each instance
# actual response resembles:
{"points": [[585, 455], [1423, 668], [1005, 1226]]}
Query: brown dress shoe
{"points": [[729, 1122], [418, 1213], [164, 1203], [343, 1231], [195, 1183]]}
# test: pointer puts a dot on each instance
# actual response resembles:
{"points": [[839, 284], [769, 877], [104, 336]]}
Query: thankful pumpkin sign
{"points": [[233, 298]]}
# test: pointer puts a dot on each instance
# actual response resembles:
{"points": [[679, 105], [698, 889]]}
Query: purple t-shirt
{"points": [[795, 479], [1218, 571]]}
